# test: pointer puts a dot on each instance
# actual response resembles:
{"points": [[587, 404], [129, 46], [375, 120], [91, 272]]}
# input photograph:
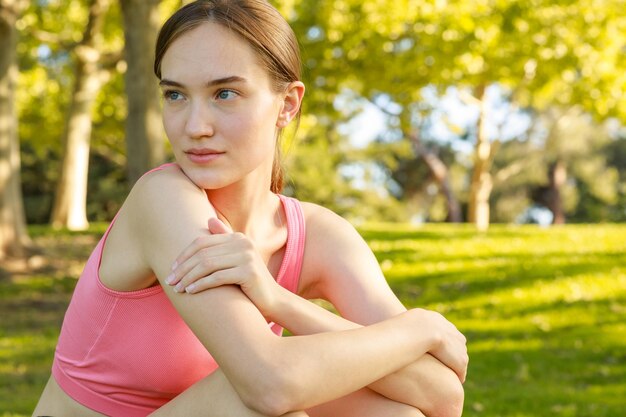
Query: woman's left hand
{"points": [[224, 258]]}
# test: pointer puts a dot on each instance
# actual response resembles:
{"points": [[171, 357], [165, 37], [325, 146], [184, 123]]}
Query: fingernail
{"points": [[190, 288], [174, 265], [178, 287], [170, 279]]}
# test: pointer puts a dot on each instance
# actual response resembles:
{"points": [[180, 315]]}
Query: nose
{"points": [[199, 122]]}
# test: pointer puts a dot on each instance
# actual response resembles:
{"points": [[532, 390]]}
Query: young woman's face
{"points": [[219, 112]]}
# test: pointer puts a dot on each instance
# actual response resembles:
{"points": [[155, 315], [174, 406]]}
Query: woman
{"points": [[150, 305]]}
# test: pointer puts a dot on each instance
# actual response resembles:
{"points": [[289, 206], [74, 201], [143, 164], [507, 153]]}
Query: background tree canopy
{"points": [[422, 110]]}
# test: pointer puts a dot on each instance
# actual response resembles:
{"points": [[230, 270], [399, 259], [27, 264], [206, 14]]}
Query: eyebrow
{"points": [[219, 81]]}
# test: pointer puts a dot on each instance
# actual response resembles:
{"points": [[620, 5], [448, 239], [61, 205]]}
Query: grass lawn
{"points": [[544, 311]]}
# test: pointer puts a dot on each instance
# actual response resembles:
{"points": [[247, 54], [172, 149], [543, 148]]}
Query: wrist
{"points": [[428, 334], [275, 309]]}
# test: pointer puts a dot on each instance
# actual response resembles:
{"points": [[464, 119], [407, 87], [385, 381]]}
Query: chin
{"points": [[204, 178]]}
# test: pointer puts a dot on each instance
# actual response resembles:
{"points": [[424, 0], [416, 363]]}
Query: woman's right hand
{"points": [[225, 258], [449, 345]]}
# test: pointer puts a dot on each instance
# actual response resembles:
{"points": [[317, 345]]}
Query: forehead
{"points": [[210, 51]]}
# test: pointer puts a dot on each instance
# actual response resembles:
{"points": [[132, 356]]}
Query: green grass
{"points": [[544, 311]]}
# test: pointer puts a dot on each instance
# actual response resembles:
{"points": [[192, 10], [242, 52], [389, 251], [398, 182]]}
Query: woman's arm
{"points": [[271, 374], [425, 384], [351, 279]]}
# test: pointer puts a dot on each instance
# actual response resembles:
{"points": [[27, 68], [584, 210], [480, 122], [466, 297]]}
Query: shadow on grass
{"points": [[458, 232], [33, 300], [571, 362], [545, 382], [544, 311], [469, 276], [32, 309]]}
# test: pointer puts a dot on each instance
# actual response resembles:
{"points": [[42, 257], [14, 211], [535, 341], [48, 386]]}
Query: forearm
{"points": [[331, 364], [302, 317], [275, 375], [426, 383]]}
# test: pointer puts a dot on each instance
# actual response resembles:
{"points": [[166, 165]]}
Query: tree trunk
{"points": [[70, 202], [14, 238], [439, 170], [558, 176], [482, 183], [69, 208], [144, 133]]}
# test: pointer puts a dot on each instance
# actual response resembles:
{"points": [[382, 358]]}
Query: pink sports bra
{"points": [[119, 353]]}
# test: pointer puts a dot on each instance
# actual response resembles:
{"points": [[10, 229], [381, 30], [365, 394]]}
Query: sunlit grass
{"points": [[544, 311], [32, 309]]}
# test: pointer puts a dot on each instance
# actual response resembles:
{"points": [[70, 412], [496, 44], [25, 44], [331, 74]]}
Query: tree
{"points": [[616, 155], [440, 173], [144, 138], [566, 167], [542, 53], [13, 235], [477, 47], [580, 181], [69, 209]]}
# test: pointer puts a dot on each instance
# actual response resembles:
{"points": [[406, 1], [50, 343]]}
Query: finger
{"points": [[197, 245], [200, 251], [216, 226], [217, 279], [466, 364], [461, 367], [205, 268], [455, 357]]}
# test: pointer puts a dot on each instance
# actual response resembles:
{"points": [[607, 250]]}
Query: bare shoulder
{"points": [[319, 217], [152, 206], [327, 231], [167, 181], [340, 267], [335, 240], [161, 193]]}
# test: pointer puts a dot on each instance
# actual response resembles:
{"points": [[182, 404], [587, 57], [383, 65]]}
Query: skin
{"points": [[218, 97]]}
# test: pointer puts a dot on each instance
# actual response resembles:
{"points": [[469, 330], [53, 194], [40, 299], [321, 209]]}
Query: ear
{"points": [[292, 99]]}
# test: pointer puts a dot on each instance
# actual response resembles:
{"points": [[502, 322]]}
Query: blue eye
{"points": [[226, 94], [172, 95]]}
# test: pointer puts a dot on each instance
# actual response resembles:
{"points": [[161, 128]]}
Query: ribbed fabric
{"points": [[128, 353]]}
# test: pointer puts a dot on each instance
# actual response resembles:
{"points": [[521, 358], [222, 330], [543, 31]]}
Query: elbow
{"points": [[273, 394], [267, 403]]}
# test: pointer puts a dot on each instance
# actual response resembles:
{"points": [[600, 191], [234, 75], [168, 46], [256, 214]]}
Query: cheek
{"points": [[247, 126], [171, 125], [262, 120]]}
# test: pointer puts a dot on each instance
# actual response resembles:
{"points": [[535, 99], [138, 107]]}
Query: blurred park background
{"points": [[457, 123]]}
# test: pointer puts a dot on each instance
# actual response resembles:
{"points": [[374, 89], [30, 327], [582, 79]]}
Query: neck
{"points": [[244, 206]]}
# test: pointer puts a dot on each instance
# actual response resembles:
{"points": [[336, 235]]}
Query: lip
{"points": [[202, 155]]}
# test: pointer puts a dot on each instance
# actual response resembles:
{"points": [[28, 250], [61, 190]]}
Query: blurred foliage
{"points": [[585, 147], [544, 311], [615, 152], [545, 56]]}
